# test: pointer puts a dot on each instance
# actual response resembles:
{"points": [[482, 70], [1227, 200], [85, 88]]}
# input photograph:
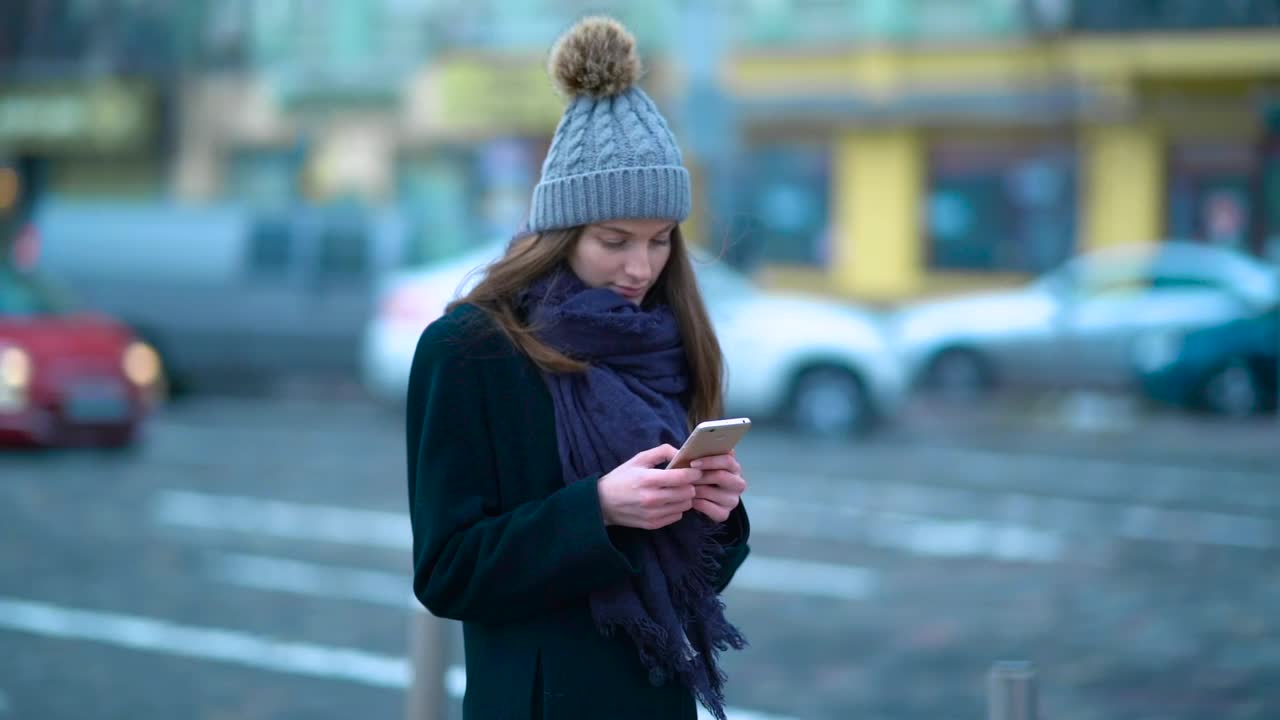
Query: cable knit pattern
{"points": [[610, 158]]}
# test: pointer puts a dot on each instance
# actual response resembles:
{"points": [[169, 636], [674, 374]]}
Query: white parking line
{"points": [[390, 530], [231, 646], [800, 577], [759, 574], [1037, 462], [319, 523], [204, 643], [1056, 520], [916, 534], [302, 578]]}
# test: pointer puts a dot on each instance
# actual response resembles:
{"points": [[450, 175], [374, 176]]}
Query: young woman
{"points": [[542, 409]]}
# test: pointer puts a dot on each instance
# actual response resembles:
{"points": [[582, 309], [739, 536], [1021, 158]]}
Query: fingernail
{"points": [[696, 463]]}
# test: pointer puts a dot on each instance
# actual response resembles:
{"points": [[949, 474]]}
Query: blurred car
{"points": [[1230, 369], [822, 366], [68, 377], [1076, 327], [230, 295]]}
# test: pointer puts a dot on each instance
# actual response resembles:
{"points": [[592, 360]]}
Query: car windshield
{"points": [[1173, 264], [23, 296], [1101, 272]]}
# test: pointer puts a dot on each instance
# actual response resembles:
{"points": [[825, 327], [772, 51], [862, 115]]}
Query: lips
{"points": [[629, 292]]}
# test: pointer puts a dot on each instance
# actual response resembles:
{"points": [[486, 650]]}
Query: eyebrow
{"points": [[628, 233]]}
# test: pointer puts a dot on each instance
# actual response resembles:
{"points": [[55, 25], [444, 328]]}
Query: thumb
{"points": [[654, 456]]}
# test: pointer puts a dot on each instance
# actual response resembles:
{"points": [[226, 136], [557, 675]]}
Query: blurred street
{"points": [[249, 560], [1040, 237]]}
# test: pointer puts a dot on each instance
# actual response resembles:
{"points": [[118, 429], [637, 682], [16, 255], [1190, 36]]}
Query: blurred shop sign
{"points": [[53, 119], [476, 96]]}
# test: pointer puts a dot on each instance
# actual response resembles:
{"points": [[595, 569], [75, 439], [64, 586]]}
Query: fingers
{"points": [[654, 456], [666, 497], [718, 462], [723, 478], [722, 498], [711, 510], [675, 478]]}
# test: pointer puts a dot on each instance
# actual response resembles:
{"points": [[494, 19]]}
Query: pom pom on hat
{"points": [[596, 57]]}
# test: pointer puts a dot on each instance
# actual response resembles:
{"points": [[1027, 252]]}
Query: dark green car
{"points": [[1229, 369]]}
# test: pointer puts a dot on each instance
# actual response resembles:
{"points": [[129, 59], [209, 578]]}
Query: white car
{"points": [[1082, 324], [823, 366]]}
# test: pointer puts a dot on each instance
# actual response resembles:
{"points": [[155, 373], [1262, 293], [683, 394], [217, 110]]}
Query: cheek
{"points": [[592, 265], [658, 258]]}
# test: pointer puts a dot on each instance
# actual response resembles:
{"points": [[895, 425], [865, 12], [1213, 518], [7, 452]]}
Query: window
{"points": [[1211, 194], [270, 245], [1184, 281], [344, 247], [999, 206], [781, 209], [462, 197], [1111, 16], [1098, 282]]}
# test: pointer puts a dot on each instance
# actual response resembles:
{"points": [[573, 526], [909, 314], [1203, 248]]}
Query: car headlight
{"points": [[141, 364], [15, 368], [1156, 351]]}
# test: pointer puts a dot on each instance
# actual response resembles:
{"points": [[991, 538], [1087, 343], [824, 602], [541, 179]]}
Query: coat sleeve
{"points": [[471, 561], [737, 530]]}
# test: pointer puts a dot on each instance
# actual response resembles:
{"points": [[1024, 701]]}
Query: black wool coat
{"points": [[502, 544]]}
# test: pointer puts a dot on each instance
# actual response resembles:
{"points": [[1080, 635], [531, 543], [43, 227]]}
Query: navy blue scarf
{"points": [[629, 400]]}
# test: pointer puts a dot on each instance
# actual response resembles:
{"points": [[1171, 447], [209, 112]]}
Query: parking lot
{"points": [[250, 560]]}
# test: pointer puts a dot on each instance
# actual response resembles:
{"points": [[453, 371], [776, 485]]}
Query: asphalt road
{"points": [[250, 561]]}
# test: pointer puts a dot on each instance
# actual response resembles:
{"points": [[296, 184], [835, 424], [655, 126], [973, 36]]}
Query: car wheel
{"points": [[829, 401], [958, 374], [1234, 391]]}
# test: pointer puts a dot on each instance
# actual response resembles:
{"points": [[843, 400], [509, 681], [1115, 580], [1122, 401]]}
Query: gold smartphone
{"points": [[713, 437]]}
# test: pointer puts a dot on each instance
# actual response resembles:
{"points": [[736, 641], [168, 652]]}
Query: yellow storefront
{"points": [[1135, 124]]}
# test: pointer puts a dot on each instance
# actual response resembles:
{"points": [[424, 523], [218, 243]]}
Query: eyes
{"points": [[617, 243]]}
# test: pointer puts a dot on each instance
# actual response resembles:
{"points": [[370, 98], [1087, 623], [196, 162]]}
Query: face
{"points": [[626, 256]]}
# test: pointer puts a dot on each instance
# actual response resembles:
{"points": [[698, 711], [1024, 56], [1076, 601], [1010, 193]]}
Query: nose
{"points": [[637, 267]]}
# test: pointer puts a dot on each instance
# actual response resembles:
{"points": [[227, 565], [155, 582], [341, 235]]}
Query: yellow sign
{"points": [[496, 96]]}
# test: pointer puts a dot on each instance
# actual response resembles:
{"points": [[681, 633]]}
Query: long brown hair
{"points": [[529, 258]]}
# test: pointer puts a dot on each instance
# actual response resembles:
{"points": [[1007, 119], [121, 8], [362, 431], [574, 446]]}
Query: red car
{"points": [[68, 377]]}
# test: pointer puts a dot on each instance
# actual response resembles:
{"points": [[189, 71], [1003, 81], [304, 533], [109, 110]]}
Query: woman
{"points": [[541, 408]]}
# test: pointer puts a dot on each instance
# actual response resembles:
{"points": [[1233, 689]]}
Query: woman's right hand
{"points": [[637, 494]]}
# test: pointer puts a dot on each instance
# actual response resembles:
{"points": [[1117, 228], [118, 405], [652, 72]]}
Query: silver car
{"points": [[1080, 325], [824, 366]]}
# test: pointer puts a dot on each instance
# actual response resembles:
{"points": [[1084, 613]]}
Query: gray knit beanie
{"points": [[612, 156]]}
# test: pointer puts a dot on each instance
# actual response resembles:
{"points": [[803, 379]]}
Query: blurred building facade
{"points": [[874, 149], [442, 109], [935, 146], [81, 101]]}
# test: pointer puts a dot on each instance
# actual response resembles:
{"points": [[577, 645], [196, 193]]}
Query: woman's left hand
{"points": [[720, 489]]}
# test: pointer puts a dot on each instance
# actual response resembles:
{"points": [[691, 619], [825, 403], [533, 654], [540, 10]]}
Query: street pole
{"points": [[1012, 692], [426, 697]]}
